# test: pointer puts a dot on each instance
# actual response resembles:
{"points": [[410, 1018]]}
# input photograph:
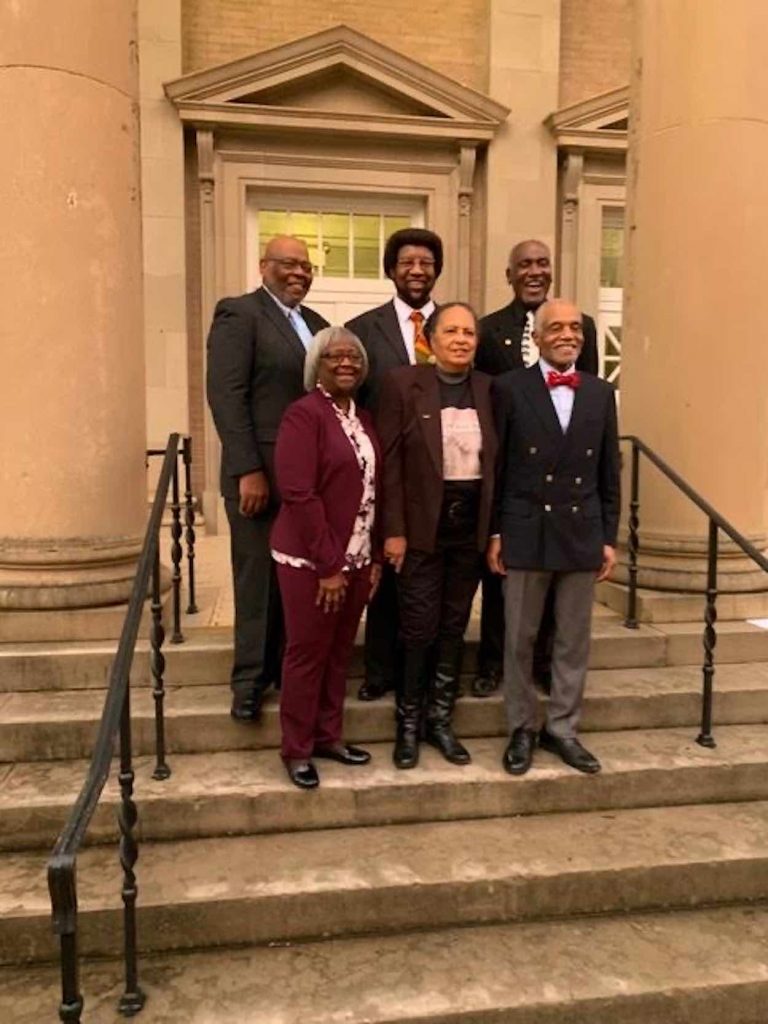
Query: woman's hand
{"points": [[394, 551], [375, 580], [331, 592]]}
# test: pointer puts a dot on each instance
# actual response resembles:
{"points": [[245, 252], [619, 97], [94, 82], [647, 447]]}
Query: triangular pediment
{"points": [[597, 123], [323, 79]]}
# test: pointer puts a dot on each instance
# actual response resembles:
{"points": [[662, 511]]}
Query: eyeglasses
{"points": [[409, 264], [337, 358], [288, 264]]}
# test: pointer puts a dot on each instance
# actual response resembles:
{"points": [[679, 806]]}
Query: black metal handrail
{"points": [[116, 721], [717, 522]]}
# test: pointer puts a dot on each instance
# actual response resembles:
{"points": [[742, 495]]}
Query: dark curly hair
{"points": [[412, 236]]}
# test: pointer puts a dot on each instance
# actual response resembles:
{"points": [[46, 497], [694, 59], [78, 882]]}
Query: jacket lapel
{"points": [[427, 405], [538, 398], [389, 326], [280, 322]]}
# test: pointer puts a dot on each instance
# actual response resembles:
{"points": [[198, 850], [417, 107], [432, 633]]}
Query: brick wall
{"points": [[450, 38], [595, 40]]}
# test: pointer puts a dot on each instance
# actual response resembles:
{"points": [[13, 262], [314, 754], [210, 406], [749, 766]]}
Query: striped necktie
{"points": [[529, 350], [421, 349]]}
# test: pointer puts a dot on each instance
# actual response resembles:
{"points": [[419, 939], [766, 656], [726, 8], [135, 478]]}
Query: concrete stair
{"points": [[445, 895]]}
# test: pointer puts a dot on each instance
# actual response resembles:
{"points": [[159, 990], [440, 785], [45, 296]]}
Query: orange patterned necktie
{"points": [[421, 348]]}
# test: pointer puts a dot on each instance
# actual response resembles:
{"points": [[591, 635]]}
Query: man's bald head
{"points": [[286, 269], [530, 272]]}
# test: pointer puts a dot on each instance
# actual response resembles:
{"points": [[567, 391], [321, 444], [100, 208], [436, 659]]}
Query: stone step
{"points": [[278, 888], [706, 966], [247, 792], [37, 725]]}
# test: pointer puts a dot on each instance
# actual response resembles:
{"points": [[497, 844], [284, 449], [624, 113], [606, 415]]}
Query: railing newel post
{"points": [[177, 637], [705, 737], [633, 543], [157, 668], [132, 999], [189, 522]]}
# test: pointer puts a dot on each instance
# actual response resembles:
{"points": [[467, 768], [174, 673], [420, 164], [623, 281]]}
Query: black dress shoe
{"points": [[518, 757], [486, 682], [246, 707], [344, 754], [570, 751], [373, 690], [301, 773]]}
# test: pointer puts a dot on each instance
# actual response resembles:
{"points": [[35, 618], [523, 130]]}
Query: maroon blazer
{"points": [[409, 425], [320, 484]]}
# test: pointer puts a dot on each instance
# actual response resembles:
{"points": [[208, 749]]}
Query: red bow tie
{"points": [[569, 380]]}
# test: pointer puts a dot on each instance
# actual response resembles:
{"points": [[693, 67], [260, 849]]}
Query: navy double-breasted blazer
{"points": [[557, 496]]}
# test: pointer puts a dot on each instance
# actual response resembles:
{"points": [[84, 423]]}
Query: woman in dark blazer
{"points": [[436, 428], [326, 464]]}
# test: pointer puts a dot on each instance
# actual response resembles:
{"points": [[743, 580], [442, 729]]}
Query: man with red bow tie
{"points": [[557, 514]]}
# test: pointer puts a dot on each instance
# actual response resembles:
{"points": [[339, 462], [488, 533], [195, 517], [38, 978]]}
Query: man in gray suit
{"points": [[256, 349], [557, 512]]}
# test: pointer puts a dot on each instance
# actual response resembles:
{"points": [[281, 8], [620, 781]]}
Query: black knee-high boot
{"points": [[443, 691], [410, 702]]}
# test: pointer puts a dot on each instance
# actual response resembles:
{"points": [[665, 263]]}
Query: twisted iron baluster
{"points": [[177, 636], [132, 999], [705, 737], [633, 544], [189, 522], [157, 667]]}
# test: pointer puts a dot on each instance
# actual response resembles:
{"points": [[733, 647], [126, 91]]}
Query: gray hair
{"points": [[320, 343], [546, 307]]}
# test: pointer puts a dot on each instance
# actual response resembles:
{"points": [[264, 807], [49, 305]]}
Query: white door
{"points": [[611, 294], [345, 236]]}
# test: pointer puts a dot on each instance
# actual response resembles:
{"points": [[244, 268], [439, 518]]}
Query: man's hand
{"points": [[394, 551], [493, 557], [375, 580], [254, 493], [609, 562], [331, 592]]}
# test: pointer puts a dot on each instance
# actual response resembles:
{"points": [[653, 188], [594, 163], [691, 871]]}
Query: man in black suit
{"points": [[507, 343], [256, 350], [557, 510], [393, 335]]}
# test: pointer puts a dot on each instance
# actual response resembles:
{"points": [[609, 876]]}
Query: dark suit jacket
{"points": [[409, 426], [557, 495], [255, 370], [379, 331], [320, 484], [501, 333]]}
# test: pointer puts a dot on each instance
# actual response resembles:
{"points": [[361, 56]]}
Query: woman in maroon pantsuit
{"points": [[326, 465]]}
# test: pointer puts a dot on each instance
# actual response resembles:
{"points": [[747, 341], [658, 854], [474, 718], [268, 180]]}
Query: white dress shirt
{"points": [[562, 396], [403, 311]]}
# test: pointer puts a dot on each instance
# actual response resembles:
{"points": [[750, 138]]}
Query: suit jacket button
{"points": [[577, 480], [532, 450], [507, 341], [574, 508], [590, 451], [547, 508], [549, 478]]}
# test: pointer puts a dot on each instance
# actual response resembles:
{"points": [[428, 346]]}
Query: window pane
{"points": [[306, 226], [335, 261], [271, 223], [393, 224], [612, 248], [366, 235]]}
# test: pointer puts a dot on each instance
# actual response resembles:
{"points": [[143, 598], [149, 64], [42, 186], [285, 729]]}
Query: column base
{"points": [[50, 574], [665, 606]]}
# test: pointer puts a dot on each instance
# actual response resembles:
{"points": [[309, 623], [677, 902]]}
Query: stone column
{"points": [[72, 475], [692, 381]]}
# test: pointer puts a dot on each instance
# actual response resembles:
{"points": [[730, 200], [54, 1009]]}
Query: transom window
{"points": [[341, 244]]}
